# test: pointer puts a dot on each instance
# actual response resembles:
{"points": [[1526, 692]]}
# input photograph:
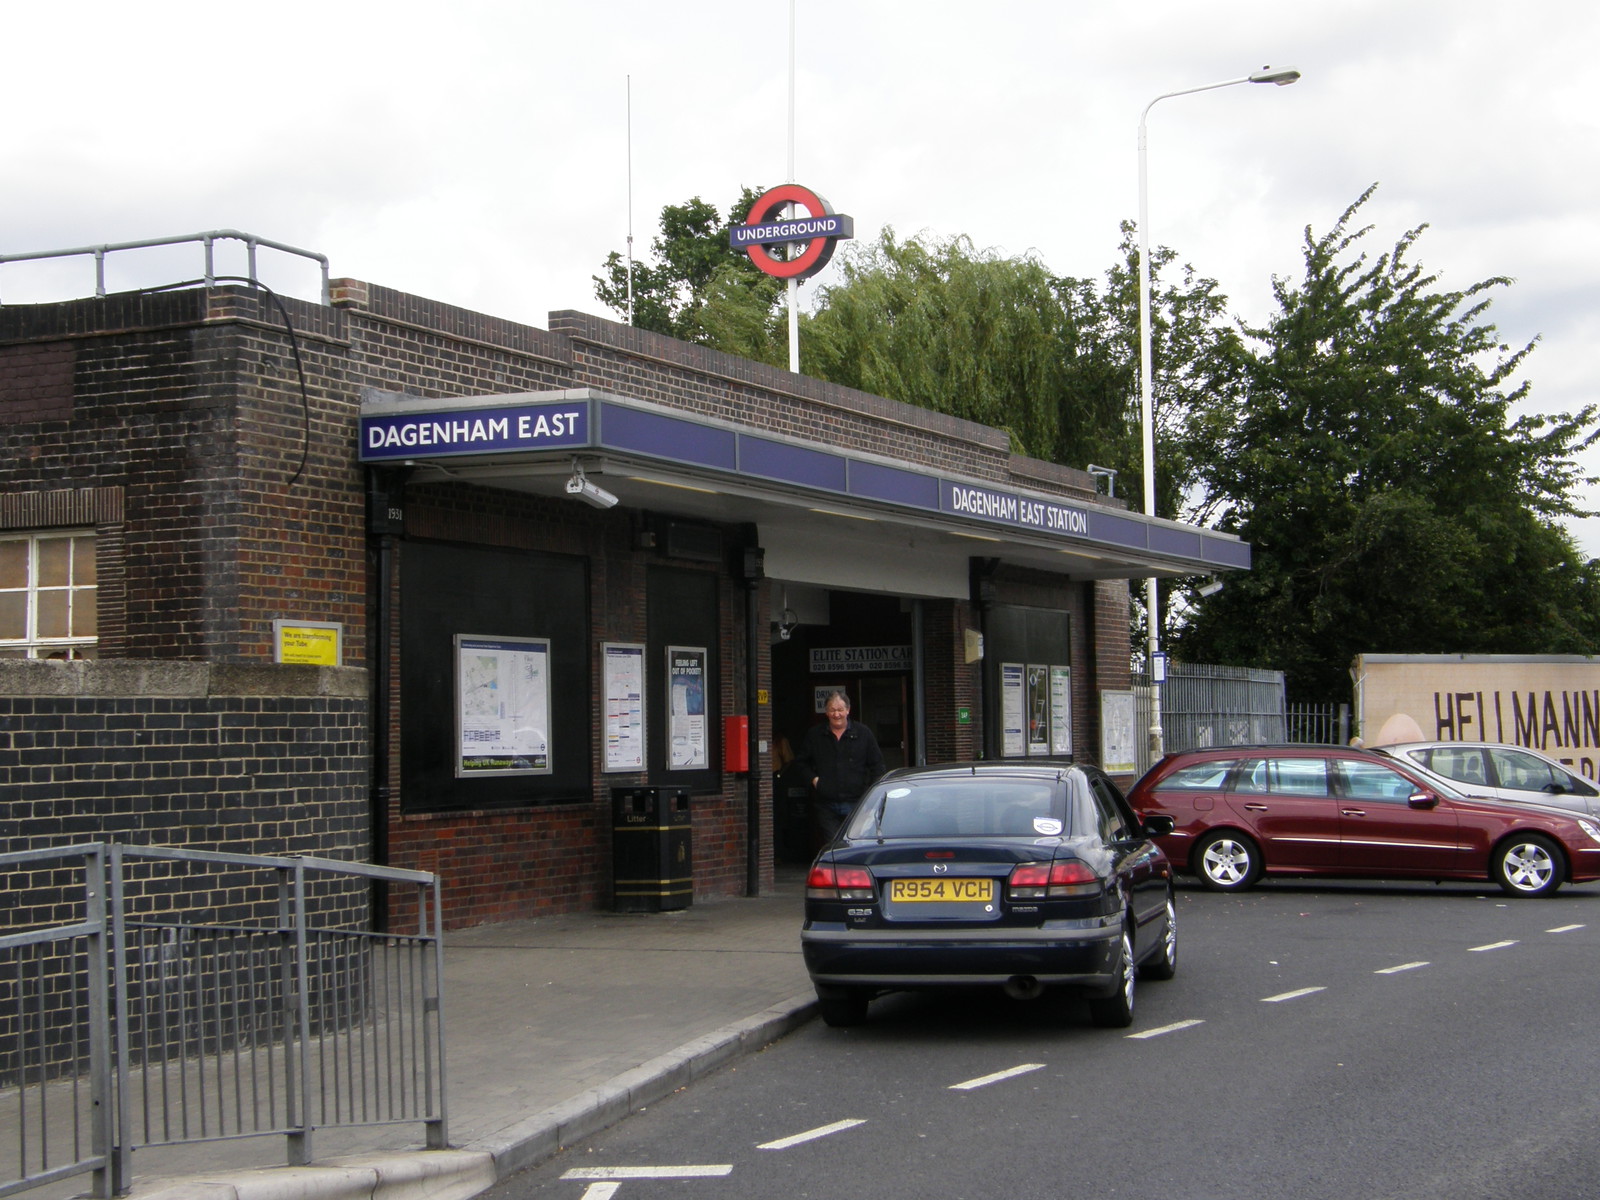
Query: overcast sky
{"points": [[477, 152]]}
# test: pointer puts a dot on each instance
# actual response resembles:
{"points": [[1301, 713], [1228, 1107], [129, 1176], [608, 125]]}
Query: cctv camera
{"points": [[1211, 587], [589, 493]]}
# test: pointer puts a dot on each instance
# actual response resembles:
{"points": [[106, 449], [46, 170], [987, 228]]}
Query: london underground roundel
{"points": [[816, 232]]}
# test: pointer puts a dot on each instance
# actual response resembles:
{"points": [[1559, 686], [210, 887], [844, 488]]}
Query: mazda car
{"points": [[1241, 812], [1027, 877]]}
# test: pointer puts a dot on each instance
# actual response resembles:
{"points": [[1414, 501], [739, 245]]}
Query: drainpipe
{"points": [[919, 708], [385, 519], [755, 646], [980, 576]]}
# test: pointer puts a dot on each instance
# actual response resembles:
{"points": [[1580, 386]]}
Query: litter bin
{"points": [[652, 860]]}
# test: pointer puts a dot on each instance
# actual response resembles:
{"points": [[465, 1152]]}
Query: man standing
{"points": [[842, 760]]}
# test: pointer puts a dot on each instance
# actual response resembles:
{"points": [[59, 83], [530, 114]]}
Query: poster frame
{"points": [[504, 649]]}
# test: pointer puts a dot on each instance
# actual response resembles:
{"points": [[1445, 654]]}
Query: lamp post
{"points": [[1282, 76]]}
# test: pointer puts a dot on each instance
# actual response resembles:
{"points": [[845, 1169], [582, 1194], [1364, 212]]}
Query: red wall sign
{"points": [[819, 231]]}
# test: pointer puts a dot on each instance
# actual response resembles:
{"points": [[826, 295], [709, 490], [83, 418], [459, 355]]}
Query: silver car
{"points": [[1512, 773]]}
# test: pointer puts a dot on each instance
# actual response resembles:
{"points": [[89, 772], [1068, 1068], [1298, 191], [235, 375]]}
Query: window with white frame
{"points": [[47, 595]]}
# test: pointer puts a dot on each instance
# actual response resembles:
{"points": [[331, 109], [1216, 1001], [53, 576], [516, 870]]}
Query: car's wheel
{"points": [[1163, 964], [1116, 1010], [1227, 862], [842, 1008], [1527, 864]]}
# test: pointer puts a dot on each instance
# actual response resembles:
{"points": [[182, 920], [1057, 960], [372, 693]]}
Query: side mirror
{"points": [[1422, 799], [1159, 825]]}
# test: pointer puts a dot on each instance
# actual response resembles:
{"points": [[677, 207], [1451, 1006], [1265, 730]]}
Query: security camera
{"points": [[1211, 587], [589, 493]]}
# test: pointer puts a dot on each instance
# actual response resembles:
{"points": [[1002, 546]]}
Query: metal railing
{"points": [[135, 1023], [1207, 705], [1326, 724], [208, 240]]}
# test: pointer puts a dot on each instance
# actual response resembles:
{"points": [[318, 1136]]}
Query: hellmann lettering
{"points": [[1546, 721]]}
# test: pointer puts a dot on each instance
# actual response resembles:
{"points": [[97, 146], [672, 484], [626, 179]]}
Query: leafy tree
{"points": [[946, 327], [1394, 499], [1195, 353], [691, 251]]}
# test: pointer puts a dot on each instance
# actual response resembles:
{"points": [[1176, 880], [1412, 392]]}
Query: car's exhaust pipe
{"points": [[1023, 987]]}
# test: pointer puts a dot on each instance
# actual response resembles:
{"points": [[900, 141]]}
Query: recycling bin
{"points": [[652, 849]]}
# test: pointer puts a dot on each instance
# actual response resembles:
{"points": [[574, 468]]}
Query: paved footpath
{"points": [[554, 1029]]}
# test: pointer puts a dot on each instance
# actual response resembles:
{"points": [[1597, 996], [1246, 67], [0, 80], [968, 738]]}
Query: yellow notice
{"points": [[310, 645]]}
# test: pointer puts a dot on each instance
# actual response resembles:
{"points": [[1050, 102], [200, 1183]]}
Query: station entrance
{"points": [[824, 641]]}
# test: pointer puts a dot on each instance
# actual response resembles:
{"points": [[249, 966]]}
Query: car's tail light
{"points": [[828, 882], [1042, 881]]}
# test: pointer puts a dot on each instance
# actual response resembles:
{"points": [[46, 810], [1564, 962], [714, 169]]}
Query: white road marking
{"points": [[701, 1172], [601, 1191], [1150, 1033], [810, 1135], [1563, 928], [1401, 967], [1491, 946], [1294, 995], [985, 1080]]}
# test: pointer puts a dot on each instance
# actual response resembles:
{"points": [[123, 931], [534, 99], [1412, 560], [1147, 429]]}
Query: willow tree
{"points": [[947, 327]]}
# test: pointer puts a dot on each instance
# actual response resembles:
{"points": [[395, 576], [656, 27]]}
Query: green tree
{"points": [[943, 326], [693, 261], [1195, 354], [1395, 500]]}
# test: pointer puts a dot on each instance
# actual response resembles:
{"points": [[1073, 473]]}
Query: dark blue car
{"points": [[1022, 876]]}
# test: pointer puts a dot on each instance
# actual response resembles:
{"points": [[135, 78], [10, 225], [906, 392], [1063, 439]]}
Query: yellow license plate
{"points": [[946, 891]]}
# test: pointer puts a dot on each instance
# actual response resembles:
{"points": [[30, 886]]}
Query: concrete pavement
{"points": [[554, 1029]]}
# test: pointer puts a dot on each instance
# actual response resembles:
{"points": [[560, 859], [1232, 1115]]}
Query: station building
{"points": [[384, 579]]}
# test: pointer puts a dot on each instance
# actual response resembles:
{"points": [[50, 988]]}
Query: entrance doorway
{"points": [[852, 642]]}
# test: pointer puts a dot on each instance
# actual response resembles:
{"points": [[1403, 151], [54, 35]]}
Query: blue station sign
{"points": [[474, 431]]}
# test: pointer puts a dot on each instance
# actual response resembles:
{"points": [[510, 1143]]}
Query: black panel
{"points": [[1016, 634], [682, 611], [450, 590]]}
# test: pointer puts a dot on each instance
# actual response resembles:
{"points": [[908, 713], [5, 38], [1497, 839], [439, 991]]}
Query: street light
{"points": [[1282, 76]]}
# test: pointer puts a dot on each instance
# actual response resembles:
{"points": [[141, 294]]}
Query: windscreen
{"points": [[970, 808]]}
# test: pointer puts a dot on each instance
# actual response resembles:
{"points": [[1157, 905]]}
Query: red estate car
{"points": [[1239, 811]]}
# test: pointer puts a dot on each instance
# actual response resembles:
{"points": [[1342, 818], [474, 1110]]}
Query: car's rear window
{"points": [[979, 808]]}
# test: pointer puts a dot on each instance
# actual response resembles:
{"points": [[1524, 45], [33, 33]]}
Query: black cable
{"points": [[294, 347]]}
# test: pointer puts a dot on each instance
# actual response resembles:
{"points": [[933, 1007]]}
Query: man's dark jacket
{"points": [[843, 766]]}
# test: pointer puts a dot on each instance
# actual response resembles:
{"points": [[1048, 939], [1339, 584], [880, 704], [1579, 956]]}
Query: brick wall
{"points": [[268, 760], [228, 445]]}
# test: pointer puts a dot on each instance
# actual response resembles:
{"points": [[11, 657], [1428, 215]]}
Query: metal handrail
{"points": [[209, 240], [142, 1020]]}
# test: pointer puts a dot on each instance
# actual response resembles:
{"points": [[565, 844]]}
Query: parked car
{"points": [[1026, 877], [1511, 773], [1241, 811]]}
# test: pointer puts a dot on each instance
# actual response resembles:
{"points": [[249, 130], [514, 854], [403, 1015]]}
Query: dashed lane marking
{"points": [[1294, 995], [619, 1173], [1491, 946], [1563, 928], [986, 1080], [1173, 1028], [811, 1135], [1402, 967]]}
